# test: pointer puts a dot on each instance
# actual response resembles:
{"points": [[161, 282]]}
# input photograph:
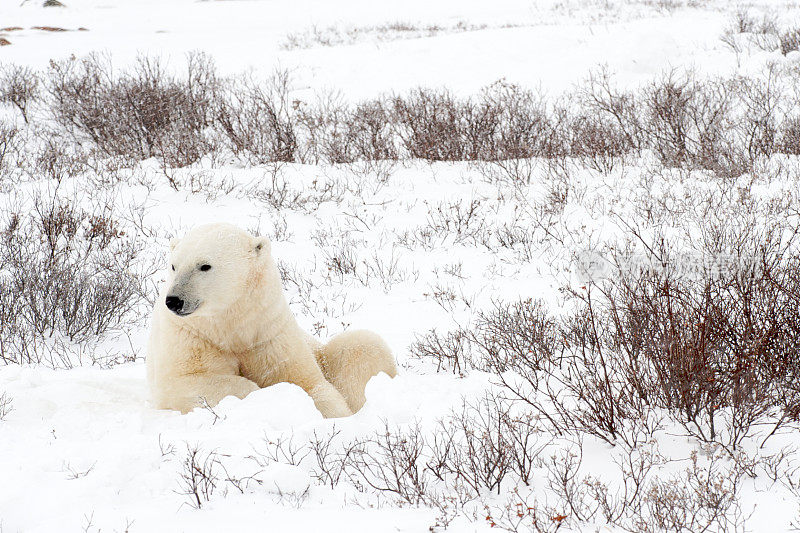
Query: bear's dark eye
{"points": [[173, 268], [204, 268]]}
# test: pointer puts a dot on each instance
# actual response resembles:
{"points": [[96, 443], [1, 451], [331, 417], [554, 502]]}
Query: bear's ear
{"points": [[261, 246], [173, 243]]}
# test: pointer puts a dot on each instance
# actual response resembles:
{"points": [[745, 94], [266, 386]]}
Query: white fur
{"points": [[241, 334]]}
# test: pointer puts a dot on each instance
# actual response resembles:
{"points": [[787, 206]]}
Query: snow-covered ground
{"points": [[548, 44], [81, 449]]}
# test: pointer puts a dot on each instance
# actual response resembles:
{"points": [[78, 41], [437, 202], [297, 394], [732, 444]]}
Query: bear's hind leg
{"points": [[350, 359], [329, 401]]}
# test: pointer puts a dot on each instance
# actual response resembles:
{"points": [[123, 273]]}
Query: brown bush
{"points": [[515, 334], [69, 280], [10, 145], [430, 125], [503, 123], [790, 40], [256, 119], [523, 128], [143, 113], [597, 142], [199, 476], [686, 122], [54, 160], [720, 125], [339, 133], [620, 110], [790, 137], [327, 128], [712, 347], [449, 352], [19, 86]]}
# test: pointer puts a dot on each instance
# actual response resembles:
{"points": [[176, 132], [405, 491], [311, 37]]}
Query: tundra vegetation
{"points": [[663, 218]]}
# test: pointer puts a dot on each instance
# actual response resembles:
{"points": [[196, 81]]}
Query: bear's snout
{"points": [[174, 304]]}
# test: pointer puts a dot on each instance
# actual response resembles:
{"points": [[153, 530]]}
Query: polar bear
{"points": [[222, 326]]}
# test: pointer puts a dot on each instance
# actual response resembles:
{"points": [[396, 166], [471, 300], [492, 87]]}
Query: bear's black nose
{"points": [[174, 304]]}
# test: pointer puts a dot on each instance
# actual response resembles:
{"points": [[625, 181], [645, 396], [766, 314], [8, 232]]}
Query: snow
{"points": [[537, 44], [83, 450], [84, 443]]}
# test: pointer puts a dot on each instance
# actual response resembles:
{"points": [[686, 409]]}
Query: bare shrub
{"points": [[386, 270], [504, 124], [282, 450], [481, 120], [327, 132], [702, 498], [10, 146], [54, 160], [6, 405], [392, 463], [257, 120], [590, 392], [713, 349], [67, 275], [471, 447], [522, 513], [744, 22], [19, 86], [762, 32], [468, 453], [341, 257], [717, 125], [790, 40], [430, 125], [600, 97], [199, 476], [790, 136], [75, 473], [274, 190], [597, 142], [371, 131], [331, 459], [761, 102], [634, 466], [335, 36], [515, 335], [523, 129], [339, 133], [449, 352], [516, 236], [560, 369], [721, 125], [479, 446], [686, 122], [464, 222], [143, 113]]}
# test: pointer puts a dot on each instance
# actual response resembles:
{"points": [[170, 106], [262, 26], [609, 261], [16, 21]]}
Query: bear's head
{"points": [[211, 268]]}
